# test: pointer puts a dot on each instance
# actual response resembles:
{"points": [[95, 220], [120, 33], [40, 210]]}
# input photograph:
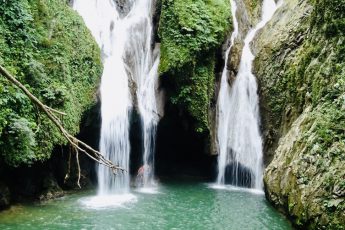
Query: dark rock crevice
{"points": [[180, 150]]}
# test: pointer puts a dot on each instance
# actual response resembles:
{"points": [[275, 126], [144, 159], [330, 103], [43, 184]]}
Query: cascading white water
{"points": [[239, 138], [223, 109], [126, 42], [148, 107], [109, 30], [145, 74]]}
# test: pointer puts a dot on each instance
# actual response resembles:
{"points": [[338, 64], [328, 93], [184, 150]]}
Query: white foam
{"points": [[148, 190], [234, 188], [109, 201]]}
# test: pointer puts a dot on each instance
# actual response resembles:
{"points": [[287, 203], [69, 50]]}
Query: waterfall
{"points": [[145, 73], [149, 115], [223, 109], [239, 138], [124, 34], [104, 22]]}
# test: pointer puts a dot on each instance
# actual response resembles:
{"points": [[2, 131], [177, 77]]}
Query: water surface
{"points": [[176, 206]]}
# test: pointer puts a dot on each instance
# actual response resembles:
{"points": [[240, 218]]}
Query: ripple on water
{"points": [[108, 201]]}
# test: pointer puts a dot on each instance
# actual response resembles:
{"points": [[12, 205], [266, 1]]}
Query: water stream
{"points": [[239, 138], [127, 47], [223, 110], [145, 73]]}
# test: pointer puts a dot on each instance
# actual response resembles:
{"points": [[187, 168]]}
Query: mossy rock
{"points": [[190, 33], [46, 46], [302, 86]]}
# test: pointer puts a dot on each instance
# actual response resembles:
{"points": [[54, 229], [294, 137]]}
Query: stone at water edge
{"points": [[51, 189], [5, 196]]}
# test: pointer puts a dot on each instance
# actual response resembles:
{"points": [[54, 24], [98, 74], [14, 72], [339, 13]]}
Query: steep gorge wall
{"points": [[300, 67]]}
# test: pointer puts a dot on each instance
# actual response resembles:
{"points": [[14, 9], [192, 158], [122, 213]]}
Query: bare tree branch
{"points": [[76, 143]]}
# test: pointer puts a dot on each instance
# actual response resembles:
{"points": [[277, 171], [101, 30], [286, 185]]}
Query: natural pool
{"points": [[176, 206]]}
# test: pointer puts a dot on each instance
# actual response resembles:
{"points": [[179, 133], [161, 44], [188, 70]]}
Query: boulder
{"points": [[50, 189]]}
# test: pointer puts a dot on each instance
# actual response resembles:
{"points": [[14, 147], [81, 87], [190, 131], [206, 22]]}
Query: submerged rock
{"points": [[123, 6], [5, 197], [238, 175]]}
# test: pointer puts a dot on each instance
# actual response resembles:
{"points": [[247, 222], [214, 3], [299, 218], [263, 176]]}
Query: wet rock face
{"points": [[284, 34], [5, 197], [247, 17], [234, 61], [253, 8], [248, 14], [301, 107]]}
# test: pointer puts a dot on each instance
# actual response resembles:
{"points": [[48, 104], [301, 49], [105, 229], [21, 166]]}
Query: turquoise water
{"points": [[176, 206]]}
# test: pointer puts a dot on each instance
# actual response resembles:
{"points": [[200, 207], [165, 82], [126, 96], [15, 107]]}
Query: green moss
{"points": [[46, 45], [190, 32], [329, 17], [195, 90], [314, 72]]}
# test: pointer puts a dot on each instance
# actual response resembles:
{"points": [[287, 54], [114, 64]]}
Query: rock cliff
{"points": [[300, 68]]}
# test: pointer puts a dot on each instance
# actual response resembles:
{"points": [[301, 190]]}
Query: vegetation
{"points": [[40, 43], [329, 17], [190, 32]]}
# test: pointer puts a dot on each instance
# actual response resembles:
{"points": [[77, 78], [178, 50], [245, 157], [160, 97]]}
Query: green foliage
{"points": [[20, 139], [46, 45], [329, 16], [189, 27], [196, 90], [190, 32]]}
